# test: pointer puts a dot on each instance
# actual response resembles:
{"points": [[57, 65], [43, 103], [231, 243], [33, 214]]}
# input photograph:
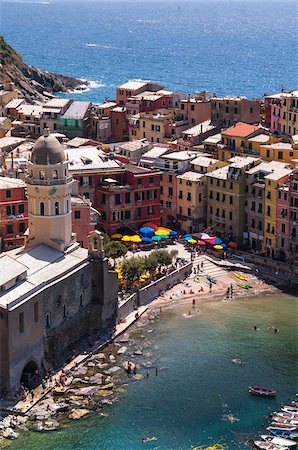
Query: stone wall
{"points": [[148, 293]]}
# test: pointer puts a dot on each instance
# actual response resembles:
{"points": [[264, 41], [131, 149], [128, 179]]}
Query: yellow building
{"points": [[289, 113], [226, 196], [191, 201], [153, 126], [278, 176], [280, 151], [235, 137]]}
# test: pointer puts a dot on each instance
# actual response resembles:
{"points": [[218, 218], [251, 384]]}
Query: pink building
{"points": [[134, 87], [272, 105], [13, 212], [84, 219], [283, 221]]}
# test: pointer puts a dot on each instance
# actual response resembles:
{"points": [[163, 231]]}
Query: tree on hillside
{"points": [[132, 269], [114, 250]]}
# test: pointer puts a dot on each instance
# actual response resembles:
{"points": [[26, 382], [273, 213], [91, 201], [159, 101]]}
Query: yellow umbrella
{"points": [[118, 269], [192, 241], [161, 232], [116, 236], [136, 239], [145, 276], [167, 230], [126, 238], [218, 247]]}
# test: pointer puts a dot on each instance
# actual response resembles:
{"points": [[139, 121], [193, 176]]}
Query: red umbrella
{"points": [[201, 243], [150, 225], [233, 244], [210, 240]]}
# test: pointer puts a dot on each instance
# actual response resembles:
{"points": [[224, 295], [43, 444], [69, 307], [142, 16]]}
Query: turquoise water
{"points": [[197, 383], [223, 46]]}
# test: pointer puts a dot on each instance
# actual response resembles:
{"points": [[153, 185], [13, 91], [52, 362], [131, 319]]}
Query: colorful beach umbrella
{"points": [[187, 238], [218, 241], [173, 233], [205, 236], [164, 236], [116, 236], [145, 276], [223, 245], [126, 238], [136, 239], [156, 238], [166, 230], [201, 243], [233, 244], [161, 232], [218, 247], [150, 225], [211, 240], [146, 239], [147, 230], [192, 241]]}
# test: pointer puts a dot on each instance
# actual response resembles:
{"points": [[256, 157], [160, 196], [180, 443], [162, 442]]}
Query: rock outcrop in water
{"points": [[31, 82]]}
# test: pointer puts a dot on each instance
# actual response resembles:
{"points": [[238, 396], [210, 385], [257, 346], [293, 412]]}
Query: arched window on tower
{"points": [[55, 174], [67, 206], [57, 209], [41, 175], [65, 172], [41, 208]]}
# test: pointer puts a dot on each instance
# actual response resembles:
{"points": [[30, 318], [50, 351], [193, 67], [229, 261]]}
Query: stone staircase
{"points": [[211, 269]]}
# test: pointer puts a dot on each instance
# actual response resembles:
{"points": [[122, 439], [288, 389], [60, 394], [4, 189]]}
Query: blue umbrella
{"points": [[223, 245], [218, 241], [173, 233], [146, 239], [187, 236], [147, 230]]}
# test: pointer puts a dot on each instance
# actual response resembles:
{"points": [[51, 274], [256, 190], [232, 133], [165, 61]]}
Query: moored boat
{"points": [[285, 434], [279, 441], [268, 446], [279, 419], [287, 415], [281, 427], [291, 409], [263, 392]]}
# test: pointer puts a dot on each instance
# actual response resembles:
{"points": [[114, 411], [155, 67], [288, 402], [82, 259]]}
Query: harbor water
{"points": [[197, 387], [230, 47]]}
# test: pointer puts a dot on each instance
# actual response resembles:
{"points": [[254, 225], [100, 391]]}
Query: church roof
{"points": [[47, 150]]}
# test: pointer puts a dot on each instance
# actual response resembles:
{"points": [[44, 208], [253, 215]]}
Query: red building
{"points": [[84, 219], [129, 199], [13, 212]]}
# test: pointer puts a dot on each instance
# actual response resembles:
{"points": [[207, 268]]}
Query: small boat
{"points": [[279, 441], [59, 390], [290, 409], [263, 392], [287, 415], [268, 446], [284, 426], [285, 434], [239, 276], [281, 427], [279, 419]]}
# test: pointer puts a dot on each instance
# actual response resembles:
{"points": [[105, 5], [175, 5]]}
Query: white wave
{"points": [[92, 45]]}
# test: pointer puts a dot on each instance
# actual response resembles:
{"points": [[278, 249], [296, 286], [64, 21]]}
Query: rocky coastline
{"points": [[34, 84]]}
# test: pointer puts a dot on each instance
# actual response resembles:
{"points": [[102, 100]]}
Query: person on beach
{"points": [[32, 395], [193, 302], [202, 266], [210, 288], [228, 293], [43, 384], [189, 313], [147, 374], [276, 330]]}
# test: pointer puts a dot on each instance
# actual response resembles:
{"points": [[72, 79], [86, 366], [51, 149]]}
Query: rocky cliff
{"points": [[31, 82]]}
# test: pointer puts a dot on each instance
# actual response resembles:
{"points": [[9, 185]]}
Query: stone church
{"points": [[53, 293]]}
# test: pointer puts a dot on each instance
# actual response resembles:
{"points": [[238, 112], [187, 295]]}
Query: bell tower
{"points": [[49, 195]]}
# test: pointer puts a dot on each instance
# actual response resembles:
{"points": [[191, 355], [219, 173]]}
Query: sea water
{"points": [[197, 384], [222, 46]]}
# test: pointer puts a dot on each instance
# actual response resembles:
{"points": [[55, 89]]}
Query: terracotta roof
{"points": [[241, 129]]}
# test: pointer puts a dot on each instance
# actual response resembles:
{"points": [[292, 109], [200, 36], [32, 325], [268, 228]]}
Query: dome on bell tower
{"points": [[47, 150]]}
